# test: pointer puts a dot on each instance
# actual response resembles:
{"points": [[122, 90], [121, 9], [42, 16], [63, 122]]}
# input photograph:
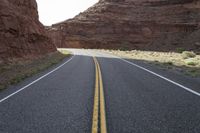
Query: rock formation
{"points": [[21, 33], [133, 24]]}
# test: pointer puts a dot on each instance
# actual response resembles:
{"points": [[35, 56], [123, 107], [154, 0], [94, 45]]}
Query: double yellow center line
{"points": [[99, 113]]}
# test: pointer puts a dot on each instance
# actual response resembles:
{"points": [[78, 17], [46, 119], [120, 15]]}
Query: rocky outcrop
{"points": [[21, 33], [132, 24]]}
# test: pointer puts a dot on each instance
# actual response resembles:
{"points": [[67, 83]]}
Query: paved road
{"points": [[136, 99]]}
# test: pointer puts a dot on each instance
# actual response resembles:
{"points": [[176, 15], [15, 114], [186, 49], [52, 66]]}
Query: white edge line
{"points": [[162, 77], [35, 81], [158, 75]]}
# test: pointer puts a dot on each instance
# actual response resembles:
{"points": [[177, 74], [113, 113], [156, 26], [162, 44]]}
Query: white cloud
{"points": [[54, 11]]}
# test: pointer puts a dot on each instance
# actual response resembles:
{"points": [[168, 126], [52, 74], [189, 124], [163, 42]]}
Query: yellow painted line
{"points": [[99, 98], [102, 103], [96, 102]]}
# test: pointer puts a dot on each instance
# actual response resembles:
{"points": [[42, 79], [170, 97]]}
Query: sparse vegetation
{"points": [[188, 54], [191, 62], [180, 50], [168, 63], [193, 72], [185, 62], [17, 70], [63, 51]]}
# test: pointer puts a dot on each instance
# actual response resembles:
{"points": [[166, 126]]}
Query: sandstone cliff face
{"points": [[133, 24], [21, 33]]}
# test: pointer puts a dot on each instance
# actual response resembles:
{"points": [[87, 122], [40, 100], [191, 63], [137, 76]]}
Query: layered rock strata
{"points": [[160, 25]]}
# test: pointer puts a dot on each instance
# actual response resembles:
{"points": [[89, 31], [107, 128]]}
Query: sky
{"points": [[54, 11]]}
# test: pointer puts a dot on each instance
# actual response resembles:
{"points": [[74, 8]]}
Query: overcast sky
{"points": [[54, 11]]}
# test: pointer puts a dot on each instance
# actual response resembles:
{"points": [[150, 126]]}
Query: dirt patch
{"points": [[15, 70]]}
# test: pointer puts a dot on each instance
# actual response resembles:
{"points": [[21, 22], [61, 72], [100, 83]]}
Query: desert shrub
{"points": [[191, 62], [124, 48], [180, 50], [188, 54], [168, 63]]}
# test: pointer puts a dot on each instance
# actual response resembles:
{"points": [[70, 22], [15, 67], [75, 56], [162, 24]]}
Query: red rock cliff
{"points": [[133, 24], [21, 33]]}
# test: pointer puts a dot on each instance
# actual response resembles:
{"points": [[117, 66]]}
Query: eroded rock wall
{"points": [[134, 24], [21, 33]]}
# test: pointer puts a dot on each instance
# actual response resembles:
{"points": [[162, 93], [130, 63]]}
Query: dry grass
{"points": [[187, 61], [17, 70]]}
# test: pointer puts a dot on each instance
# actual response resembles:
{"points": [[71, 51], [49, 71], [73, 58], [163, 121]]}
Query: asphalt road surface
{"points": [[83, 94]]}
